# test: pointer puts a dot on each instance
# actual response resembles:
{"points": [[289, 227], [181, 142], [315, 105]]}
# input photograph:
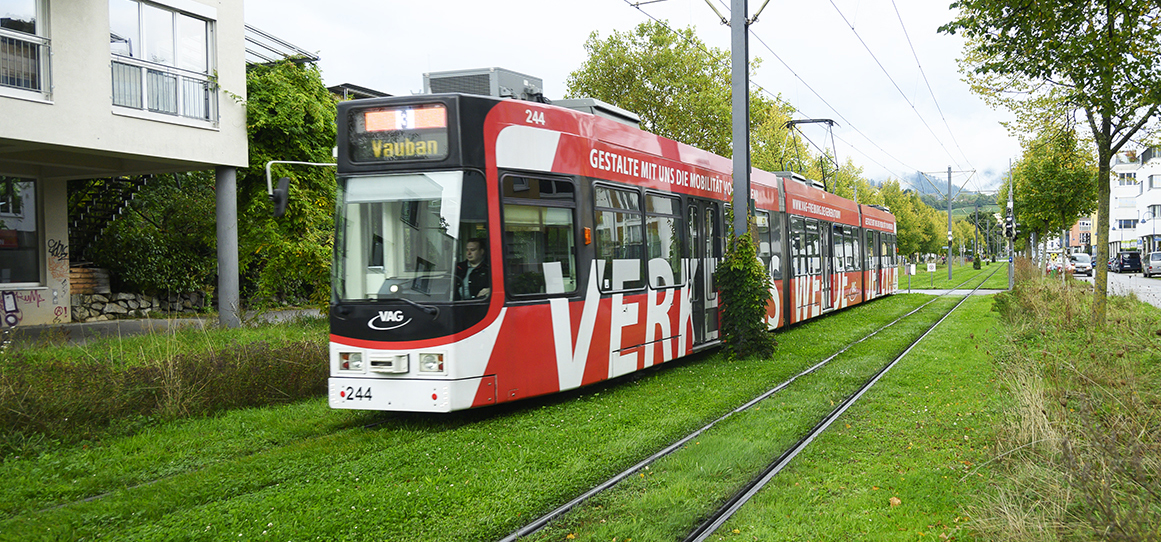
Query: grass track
{"points": [[304, 471], [920, 436], [664, 503]]}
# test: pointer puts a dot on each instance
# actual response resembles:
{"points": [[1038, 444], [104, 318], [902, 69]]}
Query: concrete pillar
{"points": [[229, 301]]}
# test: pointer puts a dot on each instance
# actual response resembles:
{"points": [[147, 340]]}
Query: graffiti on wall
{"points": [[58, 271]]}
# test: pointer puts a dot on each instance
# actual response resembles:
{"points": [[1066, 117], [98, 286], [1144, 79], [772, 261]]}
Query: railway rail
{"points": [[708, 525]]}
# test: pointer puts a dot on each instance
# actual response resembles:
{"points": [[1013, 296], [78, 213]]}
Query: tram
{"points": [[489, 250]]}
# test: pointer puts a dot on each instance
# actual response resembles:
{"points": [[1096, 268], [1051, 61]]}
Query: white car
{"points": [[1151, 264], [1083, 263]]}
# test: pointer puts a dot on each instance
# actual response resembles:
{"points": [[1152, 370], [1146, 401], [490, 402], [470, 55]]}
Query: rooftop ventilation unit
{"points": [[496, 82]]}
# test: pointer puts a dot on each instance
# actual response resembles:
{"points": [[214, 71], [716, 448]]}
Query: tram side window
{"points": [[539, 238], [839, 244], [869, 258], [851, 246], [813, 248], [770, 242], [888, 251], [663, 240], [619, 243], [798, 245], [776, 247]]}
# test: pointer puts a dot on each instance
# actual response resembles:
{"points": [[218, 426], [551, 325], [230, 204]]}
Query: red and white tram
{"points": [[489, 250]]}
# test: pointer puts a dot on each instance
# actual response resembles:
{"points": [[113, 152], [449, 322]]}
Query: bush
{"points": [[165, 241], [744, 287]]}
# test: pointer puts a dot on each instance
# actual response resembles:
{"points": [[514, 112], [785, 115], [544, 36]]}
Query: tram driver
{"points": [[473, 276]]}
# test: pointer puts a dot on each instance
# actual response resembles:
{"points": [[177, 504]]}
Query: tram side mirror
{"points": [[280, 196]]}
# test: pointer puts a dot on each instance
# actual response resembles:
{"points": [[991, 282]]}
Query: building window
{"points": [[1127, 179], [1155, 211], [19, 244], [1127, 224], [24, 47], [161, 60]]}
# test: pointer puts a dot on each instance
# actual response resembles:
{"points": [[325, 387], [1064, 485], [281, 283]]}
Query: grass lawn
{"points": [[911, 437], [907, 461], [302, 471]]}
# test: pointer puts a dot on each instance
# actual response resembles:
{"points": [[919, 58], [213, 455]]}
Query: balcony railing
{"points": [[24, 61], [163, 89]]}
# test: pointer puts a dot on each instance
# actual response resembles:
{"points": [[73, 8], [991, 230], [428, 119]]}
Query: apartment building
{"points": [[1135, 205], [101, 89]]}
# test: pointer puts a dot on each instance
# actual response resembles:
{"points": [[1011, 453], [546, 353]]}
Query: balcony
{"points": [[24, 61], [163, 89]]}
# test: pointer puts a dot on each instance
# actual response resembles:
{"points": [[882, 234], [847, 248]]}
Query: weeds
{"points": [[49, 400], [1081, 442]]}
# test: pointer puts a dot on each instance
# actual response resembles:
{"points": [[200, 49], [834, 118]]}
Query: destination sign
{"points": [[399, 134]]}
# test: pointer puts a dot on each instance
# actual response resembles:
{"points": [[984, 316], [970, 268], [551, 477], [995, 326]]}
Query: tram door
{"points": [[827, 246], [877, 273], [702, 251]]}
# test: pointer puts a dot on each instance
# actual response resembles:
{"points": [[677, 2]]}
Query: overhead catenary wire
{"points": [[926, 82], [762, 89], [896, 85]]}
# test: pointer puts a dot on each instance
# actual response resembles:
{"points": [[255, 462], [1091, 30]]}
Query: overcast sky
{"points": [[890, 126]]}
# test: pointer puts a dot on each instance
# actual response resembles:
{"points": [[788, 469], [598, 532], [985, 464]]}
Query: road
{"points": [[1147, 289]]}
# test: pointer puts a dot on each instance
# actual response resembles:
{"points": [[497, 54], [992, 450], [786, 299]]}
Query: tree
{"points": [[1046, 58], [290, 115], [745, 289], [1054, 182], [681, 90]]}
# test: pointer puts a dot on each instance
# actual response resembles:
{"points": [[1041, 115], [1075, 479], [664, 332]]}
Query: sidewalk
{"points": [[82, 332]]}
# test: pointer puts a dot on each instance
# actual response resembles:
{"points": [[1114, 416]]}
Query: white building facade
{"points": [[1135, 201], [101, 89]]}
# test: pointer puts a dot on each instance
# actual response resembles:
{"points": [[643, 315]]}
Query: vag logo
{"points": [[388, 320]]}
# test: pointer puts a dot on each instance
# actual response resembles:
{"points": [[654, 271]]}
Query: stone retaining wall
{"points": [[100, 307]]}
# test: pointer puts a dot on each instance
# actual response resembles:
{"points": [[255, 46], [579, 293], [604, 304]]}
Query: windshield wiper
{"points": [[429, 309]]}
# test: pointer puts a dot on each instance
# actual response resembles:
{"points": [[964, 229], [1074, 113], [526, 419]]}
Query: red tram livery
{"points": [[489, 250]]}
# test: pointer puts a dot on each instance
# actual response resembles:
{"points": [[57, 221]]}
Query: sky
{"points": [[900, 108]]}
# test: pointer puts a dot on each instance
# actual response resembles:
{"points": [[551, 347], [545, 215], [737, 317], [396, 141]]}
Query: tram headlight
{"points": [[431, 363], [351, 361]]}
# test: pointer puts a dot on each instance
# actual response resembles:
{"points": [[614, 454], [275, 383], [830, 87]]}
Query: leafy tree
{"points": [[681, 90], [1048, 58], [678, 86], [290, 116], [1054, 183]]}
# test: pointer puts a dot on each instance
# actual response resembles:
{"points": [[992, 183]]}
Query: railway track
{"points": [[187, 489], [709, 524]]}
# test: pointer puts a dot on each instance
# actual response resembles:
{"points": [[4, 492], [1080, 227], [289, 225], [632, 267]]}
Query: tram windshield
{"points": [[403, 236]]}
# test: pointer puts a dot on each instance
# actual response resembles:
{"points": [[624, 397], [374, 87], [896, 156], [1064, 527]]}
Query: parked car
{"points": [[1083, 263], [1127, 262], [1152, 264]]}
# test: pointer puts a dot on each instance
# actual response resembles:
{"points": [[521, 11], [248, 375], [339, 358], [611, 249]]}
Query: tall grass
{"points": [[55, 394], [1081, 443]]}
